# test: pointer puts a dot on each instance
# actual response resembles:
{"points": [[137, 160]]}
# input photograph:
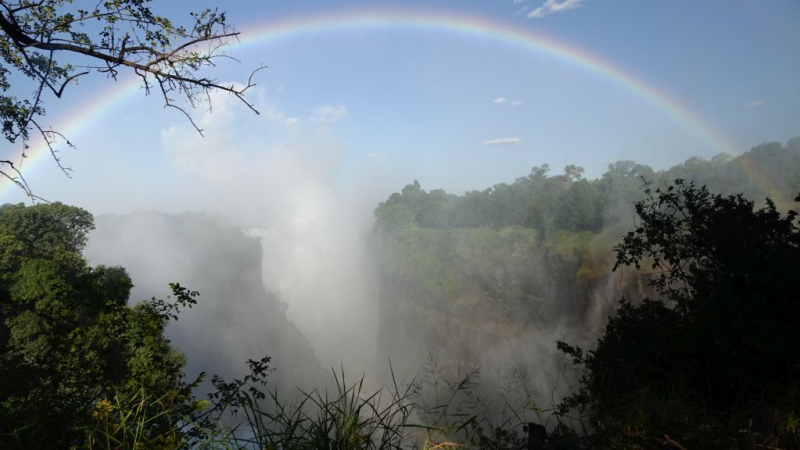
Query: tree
{"points": [[67, 336], [579, 208], [716, 358], [573, 173], [394, 215], [620, 186], [54, 42]]}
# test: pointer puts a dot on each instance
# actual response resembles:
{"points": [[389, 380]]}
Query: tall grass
{"points": [[442, 408], [342, 419], [136, 421]]}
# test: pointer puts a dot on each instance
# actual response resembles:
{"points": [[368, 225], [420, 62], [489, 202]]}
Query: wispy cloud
{"points": [[554, 6], [517, 2], [376, 156], [502, 100], [278, 118], [753, 105], [329, 113], [503, 141]]}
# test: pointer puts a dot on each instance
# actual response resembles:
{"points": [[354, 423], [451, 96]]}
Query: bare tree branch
{"points": [[15, 176], [50, 137]]}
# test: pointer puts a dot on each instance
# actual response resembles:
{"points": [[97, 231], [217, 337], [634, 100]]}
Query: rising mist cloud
{"points": [[279, 183]]}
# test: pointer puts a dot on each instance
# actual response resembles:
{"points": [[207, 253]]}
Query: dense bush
{"points": [[715, 359]]}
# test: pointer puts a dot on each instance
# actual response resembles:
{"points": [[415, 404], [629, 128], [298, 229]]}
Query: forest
{"points": [[640, 309]]}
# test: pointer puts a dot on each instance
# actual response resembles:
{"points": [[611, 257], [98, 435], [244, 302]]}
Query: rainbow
{"points": [[502, 33], [749, 166]]}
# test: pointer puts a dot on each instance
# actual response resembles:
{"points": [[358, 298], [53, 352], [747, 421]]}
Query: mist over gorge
{"points": [[491, 278], [445, 318], [236, 317]]}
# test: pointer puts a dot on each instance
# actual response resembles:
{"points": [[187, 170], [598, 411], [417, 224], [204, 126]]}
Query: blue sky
{"points": [[358, 113]]}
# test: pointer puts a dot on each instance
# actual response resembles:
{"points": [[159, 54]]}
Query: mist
{"points": [[291, 263], [277, 250]]}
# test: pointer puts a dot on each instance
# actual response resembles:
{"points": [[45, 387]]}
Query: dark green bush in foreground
{"points": [[715, 361]]}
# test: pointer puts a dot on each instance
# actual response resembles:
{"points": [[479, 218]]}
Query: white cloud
{"points": [[372, 155], [271, 114], [329, 113], [503, 141], [517, 2], [278, 118], [753, 105], [209, 156], [501, 100], [553, 6]]}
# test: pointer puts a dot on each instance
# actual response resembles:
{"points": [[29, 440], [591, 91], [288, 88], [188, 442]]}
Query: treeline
{"points": [[571, 202], [701, 348]]}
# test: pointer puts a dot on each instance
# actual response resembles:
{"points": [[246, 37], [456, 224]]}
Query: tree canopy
{"points": [[716, 357], [568, 201], [67, 336]]}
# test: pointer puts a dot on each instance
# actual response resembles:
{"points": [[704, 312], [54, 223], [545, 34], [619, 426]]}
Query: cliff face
{"points": [[517, 266], [469, 296], [235, 319]]}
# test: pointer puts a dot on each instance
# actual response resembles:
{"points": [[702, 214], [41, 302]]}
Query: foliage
{"points": [[570, 202], [347, 418], [127, 422], [533, 201], [438, 409], [513, 260], [717, 357], [55, 42], [78, 365]]}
